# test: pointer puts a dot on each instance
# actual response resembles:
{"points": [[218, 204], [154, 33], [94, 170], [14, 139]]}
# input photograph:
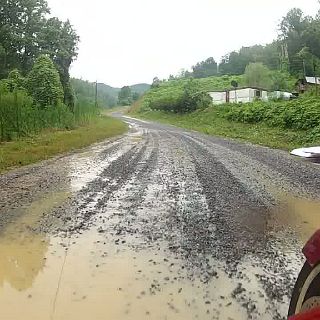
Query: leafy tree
{"points": [[20, 25], [300, 35], [155, 83], [184, 74], [26, 33], [282, 81], [125, 96], [237, 61], [257, 75], [193, 98], [205, 68], [60, 42], [43, 82]]}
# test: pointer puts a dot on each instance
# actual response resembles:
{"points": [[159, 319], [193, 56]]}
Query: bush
{"points": [[301, 114], [43, 83], [186, 99]]}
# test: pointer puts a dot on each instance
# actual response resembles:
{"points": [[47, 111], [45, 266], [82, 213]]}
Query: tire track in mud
{"points": [[239, 215], [280, 163], [90, 201], [237, 239], [178, 213]]}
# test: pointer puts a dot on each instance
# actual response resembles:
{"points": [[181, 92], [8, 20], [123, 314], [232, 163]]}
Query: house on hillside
{"points": [[306, 83], [239, 95]]}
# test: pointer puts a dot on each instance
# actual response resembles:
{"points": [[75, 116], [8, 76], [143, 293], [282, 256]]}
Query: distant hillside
{"points": [[140, 88], [107, 95]]}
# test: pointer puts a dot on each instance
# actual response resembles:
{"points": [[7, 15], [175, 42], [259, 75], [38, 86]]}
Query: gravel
{"points": [[204, 200]]}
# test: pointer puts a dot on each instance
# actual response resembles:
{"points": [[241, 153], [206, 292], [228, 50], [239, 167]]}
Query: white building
{"points": [[240, 95], [313, 80]]}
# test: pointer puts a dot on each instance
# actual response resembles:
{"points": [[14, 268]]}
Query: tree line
{"points": [[296, 51], [36, 52], [27, 32]]}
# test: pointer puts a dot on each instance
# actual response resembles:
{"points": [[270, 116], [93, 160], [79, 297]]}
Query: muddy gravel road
{"points": [[161, 223]]}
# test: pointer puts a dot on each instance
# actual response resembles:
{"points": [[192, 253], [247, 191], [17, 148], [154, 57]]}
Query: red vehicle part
{"points": [[312, 249], [305, 301], [310, 315]]}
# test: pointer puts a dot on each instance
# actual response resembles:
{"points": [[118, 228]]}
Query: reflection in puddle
{"points": [[22, 251], [21, 261]]}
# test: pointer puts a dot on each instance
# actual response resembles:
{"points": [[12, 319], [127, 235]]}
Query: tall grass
{"points": [[20, 117]]}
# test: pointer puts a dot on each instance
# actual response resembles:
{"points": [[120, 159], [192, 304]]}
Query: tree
{"points": [[205, 68], [14, 82], [26, 33], [237, 61], [257, 75], [125, 97], [60, 41], [282, 81], [43, 83], [192, 98], [20, 24], [155, 83]]}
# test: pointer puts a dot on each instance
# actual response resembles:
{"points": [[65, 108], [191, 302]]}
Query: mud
{"points": [[159, 224]]}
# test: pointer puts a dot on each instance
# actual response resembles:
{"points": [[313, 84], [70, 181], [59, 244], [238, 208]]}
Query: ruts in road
{"points": [[161, 223]]}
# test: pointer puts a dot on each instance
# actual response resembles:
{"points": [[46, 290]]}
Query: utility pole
{"points": [[96, 95], [315, 77], [304, 68]]}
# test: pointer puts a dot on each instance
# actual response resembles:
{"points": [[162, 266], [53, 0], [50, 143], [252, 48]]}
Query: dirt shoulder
{"points": [[52, 143]]}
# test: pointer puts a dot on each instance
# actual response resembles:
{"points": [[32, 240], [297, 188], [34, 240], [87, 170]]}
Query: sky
{"points": [[125, 42]]}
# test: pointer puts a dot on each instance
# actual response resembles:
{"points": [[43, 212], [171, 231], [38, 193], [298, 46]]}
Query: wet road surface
{"points": [[161, 223]]}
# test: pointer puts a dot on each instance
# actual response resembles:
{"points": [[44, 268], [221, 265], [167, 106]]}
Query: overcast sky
{"points": [[131, 41]]}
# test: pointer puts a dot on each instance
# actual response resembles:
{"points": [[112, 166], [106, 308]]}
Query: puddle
{"points": [[298, 215], [22, 259], [22, 251], [96, 280]]}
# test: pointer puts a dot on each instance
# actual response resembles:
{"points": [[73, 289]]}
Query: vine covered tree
{"points": [[26, 32], [43, 83]]}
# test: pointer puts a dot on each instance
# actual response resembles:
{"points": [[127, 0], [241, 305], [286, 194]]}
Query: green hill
{"points": [[140, 88], [107, 95]]}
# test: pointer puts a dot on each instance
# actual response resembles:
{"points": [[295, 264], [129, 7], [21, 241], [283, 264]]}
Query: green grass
{"points": [[211, 121], [53, 142]]}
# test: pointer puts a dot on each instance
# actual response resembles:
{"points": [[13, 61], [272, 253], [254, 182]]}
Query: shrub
{"points": [[303, 113], [43, 83]]}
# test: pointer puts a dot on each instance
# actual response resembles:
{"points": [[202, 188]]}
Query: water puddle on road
{"points": [[95, 279], [22, 251], [91, 276], [299, 215], [95, 276]]}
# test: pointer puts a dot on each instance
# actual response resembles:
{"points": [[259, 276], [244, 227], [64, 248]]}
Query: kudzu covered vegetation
{"points": [[36, 52], [298, 114], [33, 103]]}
